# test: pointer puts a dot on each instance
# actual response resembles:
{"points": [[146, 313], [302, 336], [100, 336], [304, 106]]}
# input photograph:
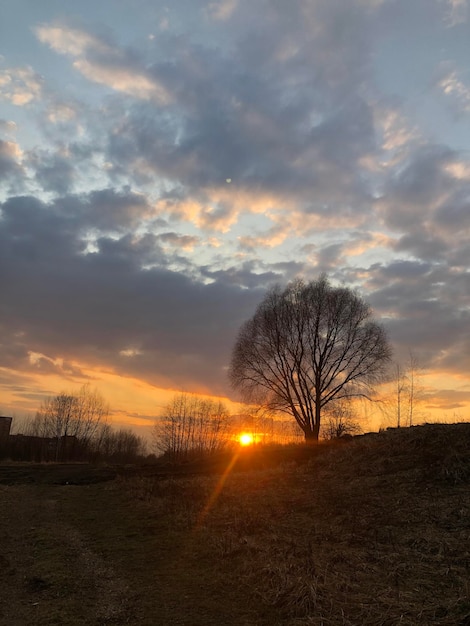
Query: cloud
{"points": [[228, 123], [186, 242], [70, 41], [53, 171], [270, 239], [340, 250], [425, 200], [393, 128], [122, 79], [254, 274], [222, 10], [112, 209], [455, 90], [426, 308], [10, 160], [42, 364], [61, 112], [446, 399], [7, 127], [457, 12], [20, 85], [90, 308], [104, 63]]}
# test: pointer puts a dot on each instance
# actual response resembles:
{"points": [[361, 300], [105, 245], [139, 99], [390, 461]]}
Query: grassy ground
{"points": [[373, 532]]}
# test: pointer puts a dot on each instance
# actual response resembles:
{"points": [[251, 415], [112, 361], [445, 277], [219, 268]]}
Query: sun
{"points": [[246, 439]]}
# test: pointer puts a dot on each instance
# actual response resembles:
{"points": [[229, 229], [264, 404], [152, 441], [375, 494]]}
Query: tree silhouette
{"points": [[308, 345]]}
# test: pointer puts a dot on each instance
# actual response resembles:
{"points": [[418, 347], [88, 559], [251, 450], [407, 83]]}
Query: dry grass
{"points": [[373, 533]]}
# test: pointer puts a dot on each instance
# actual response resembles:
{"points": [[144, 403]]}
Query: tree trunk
{"points": [[311, 435], [316, 424]]}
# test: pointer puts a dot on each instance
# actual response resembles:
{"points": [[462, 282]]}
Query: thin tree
{"points": [[414, 371], [306, 346], [190, 427], [402, 406], [341, 420], [401, 382]]}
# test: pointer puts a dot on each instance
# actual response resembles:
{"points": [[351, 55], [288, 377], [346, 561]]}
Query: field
{"points": [[374, 531]]}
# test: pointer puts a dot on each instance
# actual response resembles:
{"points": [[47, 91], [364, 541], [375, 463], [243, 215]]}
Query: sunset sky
{"points": [[163, 163]]}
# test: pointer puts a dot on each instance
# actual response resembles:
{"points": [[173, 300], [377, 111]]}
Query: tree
{"points": [[400, 378], [341, 420], [190, 427], [402, 404], [414, 387], [307, 346], [69, 418], [121, 446]]}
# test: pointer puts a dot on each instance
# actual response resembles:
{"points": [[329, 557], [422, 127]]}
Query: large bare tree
{"points": [[306, 346]]}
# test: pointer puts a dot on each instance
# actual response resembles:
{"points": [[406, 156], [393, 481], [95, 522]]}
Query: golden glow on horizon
{"points": [[135, 403]]}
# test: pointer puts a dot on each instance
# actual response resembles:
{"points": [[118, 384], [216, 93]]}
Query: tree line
{"points": [[73, 427]]}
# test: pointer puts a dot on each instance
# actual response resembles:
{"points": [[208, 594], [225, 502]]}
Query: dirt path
{"points": [[51, 572], [82, 555]]}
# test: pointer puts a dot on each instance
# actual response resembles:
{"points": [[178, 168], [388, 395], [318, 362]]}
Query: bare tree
{"points": [[414, 387], [401, 407], [341, 420], [121, 446], [68, 416], [190, 426], [401, 382], [306, 346]]}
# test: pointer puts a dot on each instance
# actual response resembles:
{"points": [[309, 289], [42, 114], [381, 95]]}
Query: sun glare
{"points": [[246, 439]]}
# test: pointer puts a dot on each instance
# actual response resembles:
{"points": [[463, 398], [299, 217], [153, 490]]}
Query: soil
{"points": [[374, 532]]}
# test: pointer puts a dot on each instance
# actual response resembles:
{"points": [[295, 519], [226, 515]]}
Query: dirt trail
{"points": [[51, 573], [81, 555]]}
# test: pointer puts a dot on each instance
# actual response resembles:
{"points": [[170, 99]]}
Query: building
{"points": [[5, 426]]}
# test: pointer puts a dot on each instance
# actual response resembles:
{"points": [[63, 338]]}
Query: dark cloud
{"points": [[425, 309], [53, 171], [405, 270], [179, 241], [417, 184], [64, 221], [62, 303], [111, 209], [454, 213], [423, 244], [280, 109], [245, 276]]}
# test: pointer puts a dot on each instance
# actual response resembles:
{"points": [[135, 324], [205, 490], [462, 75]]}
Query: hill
{"points": [[374, 531]]}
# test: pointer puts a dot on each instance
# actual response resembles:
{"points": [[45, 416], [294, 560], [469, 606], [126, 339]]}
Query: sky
{"points": [[163, 164]]}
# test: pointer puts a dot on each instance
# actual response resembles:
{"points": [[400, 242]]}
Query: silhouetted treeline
{"points": [[121, 446], [72, 427], [190, 428]]}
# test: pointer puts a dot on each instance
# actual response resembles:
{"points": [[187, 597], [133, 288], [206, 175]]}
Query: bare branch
{"points": [[306, 346]]}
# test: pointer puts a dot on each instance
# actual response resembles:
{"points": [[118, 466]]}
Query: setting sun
{"points": [[246, 439]]}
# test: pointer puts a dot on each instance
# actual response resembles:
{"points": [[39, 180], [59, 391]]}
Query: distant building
{"points": [[5, 426], [44, 449]]}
